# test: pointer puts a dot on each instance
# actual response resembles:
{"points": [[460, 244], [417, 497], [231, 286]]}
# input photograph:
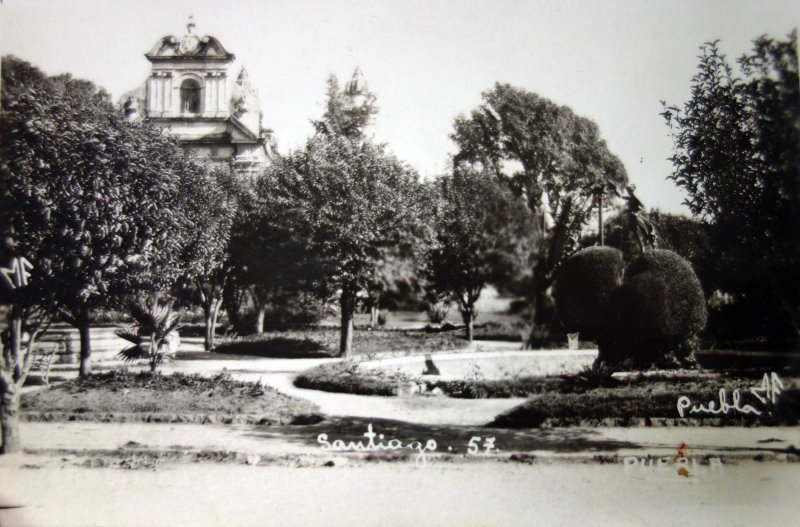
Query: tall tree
{"points": [[482, 234], [737, 157], [89, 198], [346, 201], [553, 158], [210, 203]]}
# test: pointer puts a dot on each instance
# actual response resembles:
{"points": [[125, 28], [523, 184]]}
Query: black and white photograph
{"points": [[457, 263]]}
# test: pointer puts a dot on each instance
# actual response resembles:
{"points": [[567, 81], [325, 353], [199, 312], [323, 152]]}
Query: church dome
{"points": [[357, 85]]}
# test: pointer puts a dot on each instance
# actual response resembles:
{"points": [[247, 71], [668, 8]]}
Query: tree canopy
{"points": [[736, 155], [544, 152], [211, 202], [348, 203], [92, 200], [482, 234]]}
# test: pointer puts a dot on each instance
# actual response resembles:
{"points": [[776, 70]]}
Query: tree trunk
{"points": [[232, 303], [208, 333], [214, 318], [9, 418], [466, 316], [373, 316], [16, 348], [600, 218], [347, 303], [86, 346], [537, 308], [262, 311]]}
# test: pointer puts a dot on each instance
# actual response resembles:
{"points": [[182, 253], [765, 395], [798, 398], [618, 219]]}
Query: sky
{"points": [[612, 61]]}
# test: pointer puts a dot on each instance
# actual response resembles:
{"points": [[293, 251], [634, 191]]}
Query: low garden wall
{"points": [[67, 343]]}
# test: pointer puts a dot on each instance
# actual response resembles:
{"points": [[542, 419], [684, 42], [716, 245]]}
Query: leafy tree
{"points": [[737, 157], [345, 201], [89, 198], [267, 263], [553, 158], [210, 202], [482, 233]]}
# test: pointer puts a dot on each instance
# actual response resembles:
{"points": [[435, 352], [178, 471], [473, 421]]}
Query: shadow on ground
{"points": [[276, 348]]}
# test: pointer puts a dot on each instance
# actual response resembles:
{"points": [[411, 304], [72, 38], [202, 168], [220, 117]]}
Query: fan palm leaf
{"points": [[130, 335], [133, 353]]}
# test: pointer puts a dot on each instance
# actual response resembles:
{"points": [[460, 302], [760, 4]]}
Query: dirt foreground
{"points": [[135, 474], [43, 491]]}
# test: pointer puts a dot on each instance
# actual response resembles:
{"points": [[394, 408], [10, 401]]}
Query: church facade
{"points": [[196, 91]]}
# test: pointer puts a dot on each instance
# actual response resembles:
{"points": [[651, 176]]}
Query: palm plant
{"points": [[153, 326], [598, 375]]}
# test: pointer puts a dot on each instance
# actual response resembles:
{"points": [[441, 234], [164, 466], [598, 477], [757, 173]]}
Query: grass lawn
{"points": [[127, 396], [324, 342]]}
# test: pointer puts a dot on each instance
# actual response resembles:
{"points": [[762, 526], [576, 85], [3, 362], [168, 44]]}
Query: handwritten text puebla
{"points": [[767, 394]]}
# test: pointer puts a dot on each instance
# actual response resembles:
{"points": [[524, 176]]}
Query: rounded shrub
{"points": [[655, 315], [583, 287]]}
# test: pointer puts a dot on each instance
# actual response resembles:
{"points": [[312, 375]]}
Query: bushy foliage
{"points": [[92, 200], [437, 310], [346, 203], [211, 203], [286, 311], [583, 286], [554, 159], [656, 312], [483, 234], [650, 315], [736, 155]]}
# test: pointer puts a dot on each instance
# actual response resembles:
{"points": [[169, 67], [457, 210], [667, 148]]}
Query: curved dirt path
{"points": [[280, 374]]}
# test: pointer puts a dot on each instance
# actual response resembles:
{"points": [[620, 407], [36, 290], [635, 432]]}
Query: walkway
{"points": [[280, 374]]}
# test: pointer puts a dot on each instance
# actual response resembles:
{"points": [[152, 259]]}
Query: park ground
{"points": [[147, 473], [472, 494]]}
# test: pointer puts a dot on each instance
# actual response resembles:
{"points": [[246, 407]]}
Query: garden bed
{"points": [[652, 400], [583, 399], [119, 396]]}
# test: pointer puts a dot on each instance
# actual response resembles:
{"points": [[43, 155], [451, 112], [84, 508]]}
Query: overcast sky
{"points": [[427, 61]]}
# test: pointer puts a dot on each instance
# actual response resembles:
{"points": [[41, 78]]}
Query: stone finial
{"points": [[189, 43], [243, 78]]}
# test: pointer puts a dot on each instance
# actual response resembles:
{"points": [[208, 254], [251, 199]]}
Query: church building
{"points": [[196, 91]]}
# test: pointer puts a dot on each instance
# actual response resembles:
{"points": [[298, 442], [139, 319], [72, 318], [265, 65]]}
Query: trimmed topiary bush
{"points": [[655, 315], [583, 286]]}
